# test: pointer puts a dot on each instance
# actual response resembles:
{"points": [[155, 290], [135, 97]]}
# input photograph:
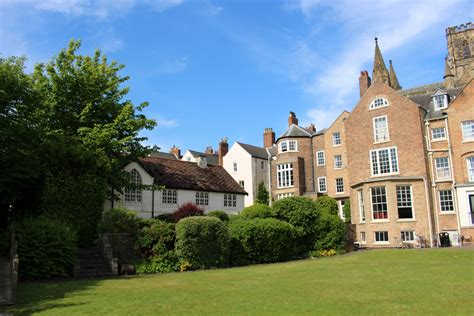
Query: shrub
{"points": [[156, 240], [302, 213], [262, 240], [330, 232], [256, 211], [347, 212], [118, 220], [328, 204], [4, 242], [165, 218], [202, 242], [220, 215], [46, 247], [187, 210], [262, 194], [167, 262]]}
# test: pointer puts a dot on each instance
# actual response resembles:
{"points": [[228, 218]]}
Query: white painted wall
{"points": [[144, 209], [463, 203], [188, 157]]}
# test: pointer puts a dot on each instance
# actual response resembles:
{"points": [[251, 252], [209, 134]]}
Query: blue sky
{"points": [[213, 69]]}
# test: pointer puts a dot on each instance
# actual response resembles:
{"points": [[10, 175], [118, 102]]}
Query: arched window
{"points": [[466, 50], [378, 103], [134, 194]]}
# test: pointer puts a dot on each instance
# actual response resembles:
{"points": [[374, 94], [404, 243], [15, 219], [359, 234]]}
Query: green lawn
{"points": [[424, 282]]}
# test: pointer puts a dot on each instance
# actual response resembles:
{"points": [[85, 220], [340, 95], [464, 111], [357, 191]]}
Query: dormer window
{"points": [[440, 100], [378, 103], [288, 145]]}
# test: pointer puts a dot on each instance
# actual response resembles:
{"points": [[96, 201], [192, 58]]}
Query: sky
{"points": [[212, 69]]}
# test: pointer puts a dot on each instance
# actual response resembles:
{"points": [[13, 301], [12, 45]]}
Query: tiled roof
{"points": [[211, 159], [160, 154], [178, 174], [254, 151], [295, 131]]}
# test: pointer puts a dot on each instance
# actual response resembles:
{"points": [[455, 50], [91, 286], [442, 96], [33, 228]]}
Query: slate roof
{"points": [[254, 151], [160, 154], [295, 131], [211, 159], [178, 174]]}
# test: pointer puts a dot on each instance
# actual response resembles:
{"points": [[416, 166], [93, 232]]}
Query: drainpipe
{"points": [[269, 177], [433, 183], [153, 199], [428, 211], [312, 167]]}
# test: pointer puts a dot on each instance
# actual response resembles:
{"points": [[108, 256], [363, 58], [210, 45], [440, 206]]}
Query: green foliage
{"points": [[156, 240], [262, 194], [262, 240], [256, 211], [5, 239], [347, 212], [186, 210], [46, 247], [202, 242], [327, 204], [167, 262], [220, 215], [118, 220], [330, 232], [302, 213]]}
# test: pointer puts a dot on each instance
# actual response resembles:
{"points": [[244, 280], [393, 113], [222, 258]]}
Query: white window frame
{"points": [[407, 233], [337, 162], [320, 183], [380, 234], [282, 196], [336, 139], [443, 168], [405, 200], [467, 128], [378, 102], [440, 105], [320, 158], [285, 174], [230, 200], [288, 146], [134, 195], [470, 168], [242, 184], [392, 164], [372, 205], [202, 198], [443, 202], [362, 237], [381, 131], [360, 197], [438, 133], [169, 196], [341, 184]]}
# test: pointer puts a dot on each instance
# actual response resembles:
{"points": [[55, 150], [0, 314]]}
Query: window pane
{"points": [[379, 203], [468, 130], [470, 168], [404, 201], [446, 201]]}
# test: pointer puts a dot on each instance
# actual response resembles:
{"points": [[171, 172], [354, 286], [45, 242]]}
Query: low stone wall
{"points": [[118, 250]]}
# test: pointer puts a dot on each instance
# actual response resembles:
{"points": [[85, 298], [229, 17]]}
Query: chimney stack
{"points": [[223, 149], [268, 138], [292, 119], [311, 128], [176, 151], [209, 150], [364, 82]]}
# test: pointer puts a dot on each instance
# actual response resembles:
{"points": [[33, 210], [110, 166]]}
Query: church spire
{"points": [[380, 72], [393, 78], [448, 75]]}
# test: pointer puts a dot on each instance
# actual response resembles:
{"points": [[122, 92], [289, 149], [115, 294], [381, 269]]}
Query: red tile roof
{"points": [[178, 174]]}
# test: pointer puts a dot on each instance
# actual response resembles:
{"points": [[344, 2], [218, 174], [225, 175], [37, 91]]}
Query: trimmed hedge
{"points": [[156, 240], [118, 220], [46, 247], [202, 242], [257, 211], [262, 240], [223, 216]]}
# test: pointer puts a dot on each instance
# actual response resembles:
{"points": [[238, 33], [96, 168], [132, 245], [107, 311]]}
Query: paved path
{"points": [[5, 282]]}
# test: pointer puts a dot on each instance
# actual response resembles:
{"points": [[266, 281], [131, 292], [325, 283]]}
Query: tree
{"points": [[262, 194]]}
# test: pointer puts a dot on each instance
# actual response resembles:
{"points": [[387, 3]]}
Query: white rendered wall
{"points": [[188, 157], [463, 203], [238, 155]]}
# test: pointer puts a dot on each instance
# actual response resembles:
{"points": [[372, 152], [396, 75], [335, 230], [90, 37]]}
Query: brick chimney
{"points": [[175, 151], [209, 150], [268, 138], [311, 128], [223, 149], [292, 119], [364, 82]]}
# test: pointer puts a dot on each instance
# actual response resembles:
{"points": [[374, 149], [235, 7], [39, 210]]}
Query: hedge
{"points": [[256, 211], [118, 220], [262, 240], [202, 242], [156, 240], [223, 216]]}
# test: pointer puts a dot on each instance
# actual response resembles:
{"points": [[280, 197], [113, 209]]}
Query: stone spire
{"points": [[393, 78], [380, 72], [448, 75]]}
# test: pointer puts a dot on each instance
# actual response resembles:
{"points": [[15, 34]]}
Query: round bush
{"points": [[118, 220], [256, 211], [46, 247], [327, 204], [156, 240], [302, 213], [262, 240], [223, 216], [202, 242], [186, 210], [330, 233]]}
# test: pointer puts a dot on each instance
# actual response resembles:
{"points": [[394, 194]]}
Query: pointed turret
{"points": [[448, 75], [380, 72], [393, 78]]}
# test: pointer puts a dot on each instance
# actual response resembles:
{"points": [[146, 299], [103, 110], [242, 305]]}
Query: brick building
{"points": [[405, 158]]}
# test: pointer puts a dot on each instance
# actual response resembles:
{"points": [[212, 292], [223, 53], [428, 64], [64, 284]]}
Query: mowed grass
{"points": [[386, 282]]}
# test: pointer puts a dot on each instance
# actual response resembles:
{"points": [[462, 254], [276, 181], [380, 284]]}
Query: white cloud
{"points": [[173, 67], [167, 123], [162, 5]]}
